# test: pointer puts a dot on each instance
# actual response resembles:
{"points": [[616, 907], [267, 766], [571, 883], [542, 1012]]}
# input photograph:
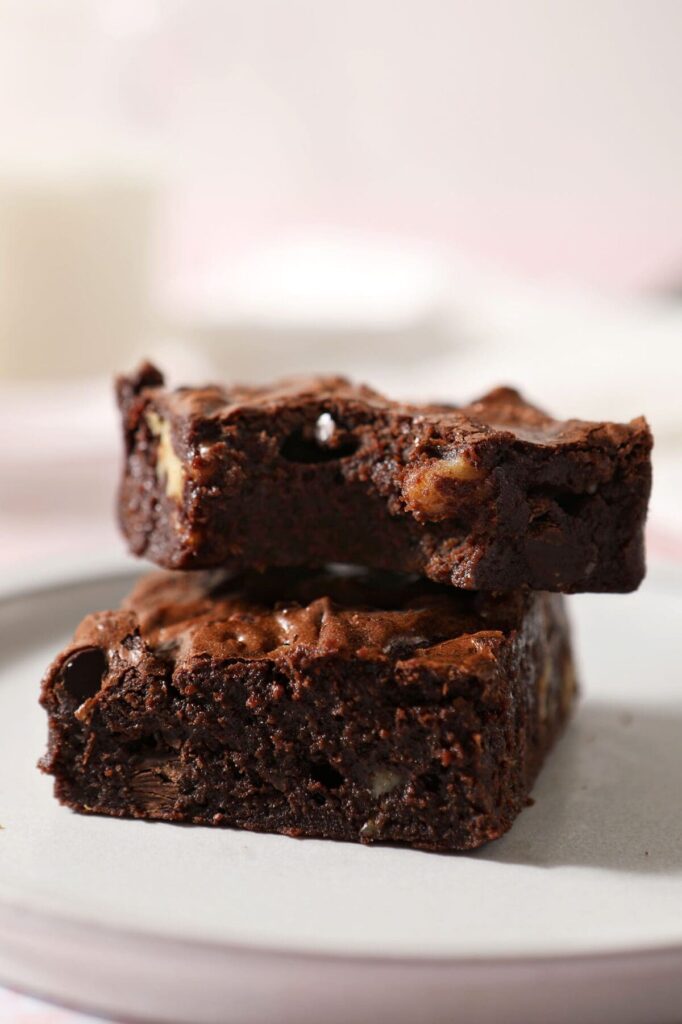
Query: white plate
{"points": [[575, 915]]}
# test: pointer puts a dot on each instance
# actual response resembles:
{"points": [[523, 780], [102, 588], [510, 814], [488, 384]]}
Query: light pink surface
{"points": [[18, 1009]]}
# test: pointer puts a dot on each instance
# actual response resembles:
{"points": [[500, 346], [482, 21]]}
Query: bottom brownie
{"points": [[337, 704]]}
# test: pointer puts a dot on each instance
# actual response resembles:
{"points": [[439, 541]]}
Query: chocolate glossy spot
{"points": [[82, 674]]}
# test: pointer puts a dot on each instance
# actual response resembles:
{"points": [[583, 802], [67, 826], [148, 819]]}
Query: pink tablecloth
{"points": [[18, 1009]]}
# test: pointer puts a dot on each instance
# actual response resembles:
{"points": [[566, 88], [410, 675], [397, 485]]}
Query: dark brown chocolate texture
{"points": [[351, 706], [494, 495]]}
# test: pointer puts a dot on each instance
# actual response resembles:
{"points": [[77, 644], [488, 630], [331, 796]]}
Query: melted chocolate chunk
{"points": [[83, 673]]}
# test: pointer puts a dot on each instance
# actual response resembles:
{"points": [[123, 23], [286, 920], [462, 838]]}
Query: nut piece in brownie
{"points": [[356, 707], [495, 495]]}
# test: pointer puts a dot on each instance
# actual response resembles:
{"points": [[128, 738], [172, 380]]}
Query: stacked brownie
{"points": [[371, 643]]}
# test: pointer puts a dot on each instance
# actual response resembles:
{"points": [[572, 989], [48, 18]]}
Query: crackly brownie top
{"points": [[501, 411], [212, 616]]}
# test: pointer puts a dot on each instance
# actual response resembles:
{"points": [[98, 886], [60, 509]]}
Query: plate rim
{"points": [[28, 919], [38, 579]]}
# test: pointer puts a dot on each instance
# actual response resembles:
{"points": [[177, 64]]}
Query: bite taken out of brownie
{"points": [[494, 495], [341, 703]]}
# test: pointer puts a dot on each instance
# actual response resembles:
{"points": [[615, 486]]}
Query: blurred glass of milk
{"points": [[75, 255]]}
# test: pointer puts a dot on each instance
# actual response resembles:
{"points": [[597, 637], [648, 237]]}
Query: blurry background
{"points": [[433, 195]]}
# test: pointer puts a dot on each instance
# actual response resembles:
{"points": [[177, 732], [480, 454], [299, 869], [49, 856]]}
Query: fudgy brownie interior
{"points": [[494, 495], [342, 703]]}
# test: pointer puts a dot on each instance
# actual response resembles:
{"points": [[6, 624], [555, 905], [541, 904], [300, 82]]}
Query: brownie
{"points": [[495, 495], [348, 705]]}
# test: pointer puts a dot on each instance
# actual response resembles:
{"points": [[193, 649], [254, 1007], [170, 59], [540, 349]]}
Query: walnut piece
{"points": [[385, 781], [169, 468], [369, 831], [422, 489]]}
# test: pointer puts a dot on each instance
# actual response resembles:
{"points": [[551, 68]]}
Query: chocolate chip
{"points": [[83, 672]]}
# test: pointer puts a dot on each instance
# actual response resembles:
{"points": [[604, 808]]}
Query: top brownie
{"points": [[495, 495]]}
